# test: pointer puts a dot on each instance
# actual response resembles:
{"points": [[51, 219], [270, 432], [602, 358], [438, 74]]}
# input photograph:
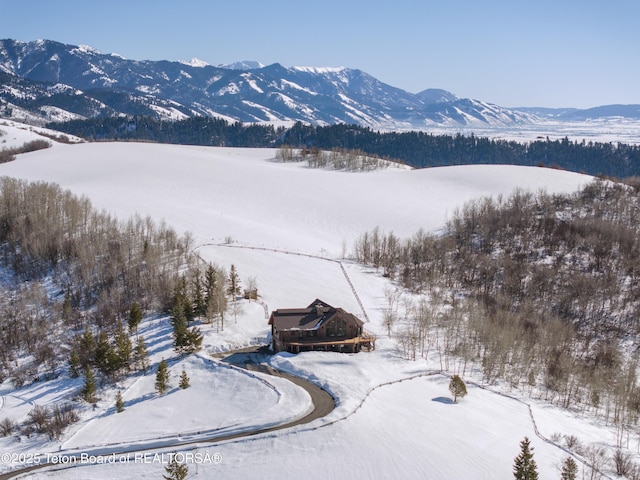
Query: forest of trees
{"points": [[99, 265], [421, 149], [539, 291], [191, 131], [76, 282], [418, 149]]}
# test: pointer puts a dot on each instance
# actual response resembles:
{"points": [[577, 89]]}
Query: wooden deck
{"points": [[367, 341]]}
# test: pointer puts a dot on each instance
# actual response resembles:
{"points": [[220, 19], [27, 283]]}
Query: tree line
{"points": [[191, 131], [421, 149], [418, 149]]}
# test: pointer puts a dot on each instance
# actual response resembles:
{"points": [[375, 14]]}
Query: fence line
{"points": [[309, 255]]}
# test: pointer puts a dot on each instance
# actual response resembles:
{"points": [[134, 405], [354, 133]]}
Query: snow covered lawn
{"points": [[409, 429]]}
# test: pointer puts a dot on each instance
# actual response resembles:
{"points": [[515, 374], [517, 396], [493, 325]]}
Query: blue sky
{"points": [[561, 53]]}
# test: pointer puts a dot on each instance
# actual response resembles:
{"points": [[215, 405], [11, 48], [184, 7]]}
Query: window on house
{"points": [[336, 328]]}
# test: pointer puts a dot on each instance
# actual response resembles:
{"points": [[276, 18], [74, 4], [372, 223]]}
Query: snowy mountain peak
{"points": [[243, 65], [195, 62], [88, 49], [319, 70]]}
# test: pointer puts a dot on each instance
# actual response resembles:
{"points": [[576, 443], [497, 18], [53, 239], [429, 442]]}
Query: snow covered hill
{"points": [[14, 135], [287, 224], [249, 196]]}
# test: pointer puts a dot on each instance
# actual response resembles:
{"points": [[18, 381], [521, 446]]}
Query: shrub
{"points": [[9, 154], [7, 426]]}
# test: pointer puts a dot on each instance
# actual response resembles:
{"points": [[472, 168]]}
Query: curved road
{"points": [[323, 404]]}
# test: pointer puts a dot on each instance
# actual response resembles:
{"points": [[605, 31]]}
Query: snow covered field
{"points": [[604, 130], [381, 428]]}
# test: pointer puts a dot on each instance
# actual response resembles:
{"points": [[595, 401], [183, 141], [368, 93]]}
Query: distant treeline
{"points": [[421, 149], [191, 131], [418, 149]]}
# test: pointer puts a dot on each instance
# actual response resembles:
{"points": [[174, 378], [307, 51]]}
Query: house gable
{"points": [[318, 326]]}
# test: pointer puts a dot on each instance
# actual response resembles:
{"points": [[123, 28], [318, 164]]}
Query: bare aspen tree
{"points": [[390, 312]]}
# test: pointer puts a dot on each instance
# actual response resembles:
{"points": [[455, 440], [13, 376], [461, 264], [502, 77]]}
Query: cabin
{"points": [[251, 294], [318, 327]]}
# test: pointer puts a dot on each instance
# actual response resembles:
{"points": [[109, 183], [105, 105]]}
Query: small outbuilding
{"points": [[319, 327]]}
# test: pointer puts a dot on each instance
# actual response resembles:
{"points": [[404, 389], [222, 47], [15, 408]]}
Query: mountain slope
{"points": [[84, 82], [603, 111], [45, 81]]}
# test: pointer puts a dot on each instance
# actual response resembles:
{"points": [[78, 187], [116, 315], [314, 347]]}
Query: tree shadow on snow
{"points": [[143, 398], [445, 400]]}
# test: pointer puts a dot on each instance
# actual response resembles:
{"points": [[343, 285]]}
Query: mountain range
{"points": [[44, 81]]}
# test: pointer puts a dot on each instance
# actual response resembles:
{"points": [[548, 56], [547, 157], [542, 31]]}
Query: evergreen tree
{"points": [[189, 311], [233, 283], [119, 402], [184, 380], [74, 364], [86, 348], [162, 377], [233, 288], [90, 386], [181, 297], [179, 323], [524, 466], [106, 358], [141, 355], [215, 299], [123, 349], [135, 317], [569, 469], [199, 304], [185, 339], [175, 470], [193, 341], [210, 292], [457, 388]]}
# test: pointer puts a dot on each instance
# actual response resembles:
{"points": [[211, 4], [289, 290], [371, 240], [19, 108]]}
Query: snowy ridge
{"points": [[319, 70], [243, 65], [195, 62], [319, 95], [248, 91]]}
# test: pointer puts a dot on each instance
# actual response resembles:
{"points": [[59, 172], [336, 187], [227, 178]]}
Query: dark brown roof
{"points": [[310, 318]]}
